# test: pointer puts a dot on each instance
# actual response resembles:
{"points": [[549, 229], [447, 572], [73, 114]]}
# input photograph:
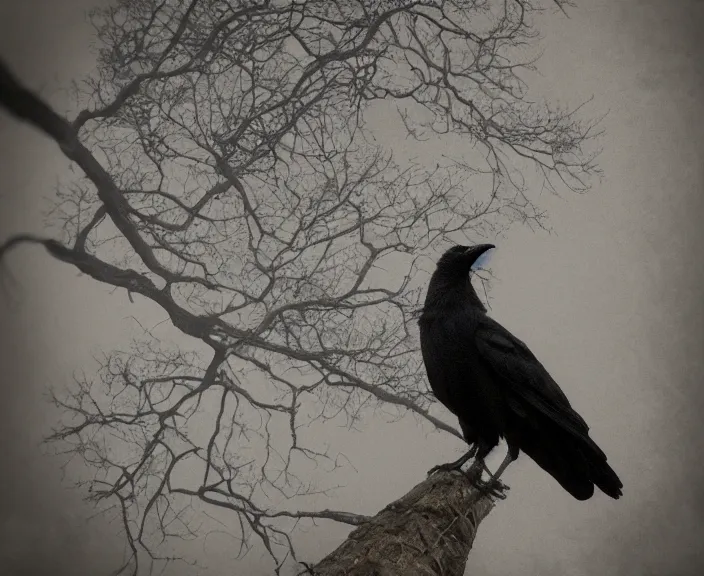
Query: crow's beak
{"points": [[475, 252]]}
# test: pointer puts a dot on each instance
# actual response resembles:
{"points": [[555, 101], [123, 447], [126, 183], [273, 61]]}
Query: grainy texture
{"points": [[427, 532]]}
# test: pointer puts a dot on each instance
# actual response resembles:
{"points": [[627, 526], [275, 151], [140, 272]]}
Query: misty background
{"points": [[610, 302]]}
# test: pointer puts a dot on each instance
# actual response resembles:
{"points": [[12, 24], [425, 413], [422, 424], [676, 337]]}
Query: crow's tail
{"points": [[599, 470], [576, 462]]}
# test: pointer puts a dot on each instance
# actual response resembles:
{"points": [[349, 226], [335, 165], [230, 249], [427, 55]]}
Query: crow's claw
{"points": [[447, 467], [492, 487], [456, 465]]}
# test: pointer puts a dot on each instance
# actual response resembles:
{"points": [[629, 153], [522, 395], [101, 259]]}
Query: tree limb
{"points": [[427, 532]]}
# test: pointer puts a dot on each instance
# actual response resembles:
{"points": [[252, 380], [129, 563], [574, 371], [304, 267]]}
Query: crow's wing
{"points": [[526, 381]]}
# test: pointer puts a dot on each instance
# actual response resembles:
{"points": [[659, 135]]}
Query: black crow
{"points": [[497, 388]]}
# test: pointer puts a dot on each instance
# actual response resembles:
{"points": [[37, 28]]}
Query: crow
{"points": [[497, 388]]}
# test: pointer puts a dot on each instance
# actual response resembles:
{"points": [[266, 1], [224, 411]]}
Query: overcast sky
{"points": [[610, 302]]}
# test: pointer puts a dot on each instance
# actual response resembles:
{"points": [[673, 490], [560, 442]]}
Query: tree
{"points": [[229, 176]]}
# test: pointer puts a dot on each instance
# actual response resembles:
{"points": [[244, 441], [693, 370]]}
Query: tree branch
{"points": [[428, 531]]}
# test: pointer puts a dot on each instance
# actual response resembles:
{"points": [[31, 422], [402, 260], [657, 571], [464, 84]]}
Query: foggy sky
{"points": [[610, 302]]}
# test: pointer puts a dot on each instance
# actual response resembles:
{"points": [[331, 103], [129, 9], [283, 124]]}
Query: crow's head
{"points": [[451, 283], [461, 259]]}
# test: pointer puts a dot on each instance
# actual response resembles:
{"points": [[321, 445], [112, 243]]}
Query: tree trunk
{"points": [[427, 532]]}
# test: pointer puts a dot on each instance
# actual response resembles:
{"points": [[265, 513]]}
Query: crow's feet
{"points": [[492, 487], [456, 465], [447, 467]]}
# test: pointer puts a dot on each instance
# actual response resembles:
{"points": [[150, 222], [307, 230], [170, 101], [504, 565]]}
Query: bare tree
{"points": [[229, 176]]}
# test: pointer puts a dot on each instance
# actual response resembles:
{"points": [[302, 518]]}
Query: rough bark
{"points": [[427, 532]]}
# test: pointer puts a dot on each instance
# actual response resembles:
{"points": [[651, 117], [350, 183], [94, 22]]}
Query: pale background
{"points": [[611, 303]]}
